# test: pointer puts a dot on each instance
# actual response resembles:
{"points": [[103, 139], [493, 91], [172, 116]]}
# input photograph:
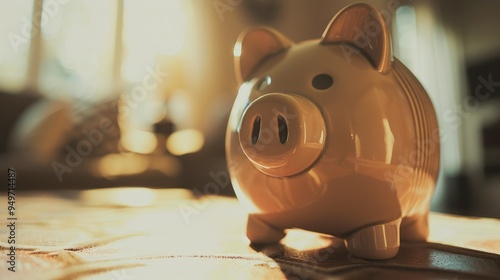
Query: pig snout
{"points": [[282, 134]]}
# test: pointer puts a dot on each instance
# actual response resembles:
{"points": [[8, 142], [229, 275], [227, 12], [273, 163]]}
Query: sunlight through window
{"points": [[15, 40], [185, 141], [78, 39], [150, 28]]}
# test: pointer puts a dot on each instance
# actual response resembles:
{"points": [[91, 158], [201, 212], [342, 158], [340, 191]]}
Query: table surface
{"points": [[135, 233]]}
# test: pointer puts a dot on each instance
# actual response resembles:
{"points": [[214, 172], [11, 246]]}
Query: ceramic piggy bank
{"points": [[332, 135]]}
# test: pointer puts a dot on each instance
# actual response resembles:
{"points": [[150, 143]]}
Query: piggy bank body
{"points": [[333, 135]]}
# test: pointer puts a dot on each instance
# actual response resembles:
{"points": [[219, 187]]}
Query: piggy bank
{"points": [[333, 135]]}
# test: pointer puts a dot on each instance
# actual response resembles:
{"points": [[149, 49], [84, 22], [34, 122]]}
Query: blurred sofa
{"points": [[54, 144]]}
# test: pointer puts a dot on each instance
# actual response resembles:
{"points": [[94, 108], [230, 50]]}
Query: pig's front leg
{"points": [[375, 242], [260, 232]]}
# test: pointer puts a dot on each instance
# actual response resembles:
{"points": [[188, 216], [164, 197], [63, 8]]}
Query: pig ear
{"points": [[363, 27], [253, 46]]}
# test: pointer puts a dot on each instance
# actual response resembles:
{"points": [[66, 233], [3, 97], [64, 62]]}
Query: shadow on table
{"points": [[415, 260]]}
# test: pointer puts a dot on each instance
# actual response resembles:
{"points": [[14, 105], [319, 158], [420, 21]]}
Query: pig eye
{"points": [[322, 81], [264, 83]]}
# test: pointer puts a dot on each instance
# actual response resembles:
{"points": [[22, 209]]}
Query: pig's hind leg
{"points": [[375, 242], [260, 232]]}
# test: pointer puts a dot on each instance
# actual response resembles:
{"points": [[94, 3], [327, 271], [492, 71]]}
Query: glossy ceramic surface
{"points": [[333, 135]]}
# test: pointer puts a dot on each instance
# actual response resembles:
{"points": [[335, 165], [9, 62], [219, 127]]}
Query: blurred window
{"points": [[150, 28], [92, 50], [431, 53], [153, 34], [15, 38], [406, 34], [78, 48], [79, 51]]}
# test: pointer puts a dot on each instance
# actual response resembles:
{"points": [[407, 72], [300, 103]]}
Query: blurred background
{"points": [[112, 93]]}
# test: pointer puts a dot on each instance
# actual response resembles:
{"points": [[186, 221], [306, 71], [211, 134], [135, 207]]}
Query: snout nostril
{"points": [[256, 130], [282, 129]]}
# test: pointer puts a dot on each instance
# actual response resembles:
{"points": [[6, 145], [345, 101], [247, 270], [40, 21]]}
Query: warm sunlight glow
{"points": [[133, 197], [171, 32], [137, 141], [78, 48], [302, 240], [151, 28], [14, 43], [185, 142], [129, 197], [113, 165], [472, 233]]}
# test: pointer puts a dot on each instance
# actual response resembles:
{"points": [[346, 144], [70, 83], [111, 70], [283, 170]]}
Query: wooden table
{"points": [[129, 233]]}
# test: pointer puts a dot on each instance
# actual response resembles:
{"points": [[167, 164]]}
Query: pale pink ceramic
{"points": [[333, 135]]}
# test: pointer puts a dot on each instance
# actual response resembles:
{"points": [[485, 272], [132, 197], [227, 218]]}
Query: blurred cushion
{"points": [[12, 107], [41, 130]]}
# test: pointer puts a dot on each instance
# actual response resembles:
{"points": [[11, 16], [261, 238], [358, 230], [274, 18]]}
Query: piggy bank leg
{"points": [[415, 228], [375, 242], [260, 232]]}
